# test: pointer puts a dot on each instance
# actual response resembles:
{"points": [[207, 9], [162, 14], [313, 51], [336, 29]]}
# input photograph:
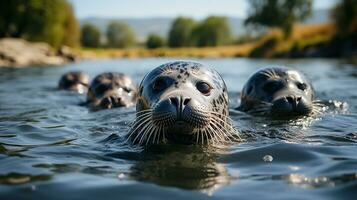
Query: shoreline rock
{"points": [[16, 52]]}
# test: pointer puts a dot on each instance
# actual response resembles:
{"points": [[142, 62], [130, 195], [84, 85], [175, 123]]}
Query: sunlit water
{"points": [[52, 148]]}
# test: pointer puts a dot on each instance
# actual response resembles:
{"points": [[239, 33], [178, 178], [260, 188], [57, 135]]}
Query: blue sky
{"points": [[168, 8]]}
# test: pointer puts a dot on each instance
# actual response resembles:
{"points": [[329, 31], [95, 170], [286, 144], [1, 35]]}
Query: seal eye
{"points": [[158, 85], [204, 88], [128, 90], [101, 89], [271, 86], [302, 86]]}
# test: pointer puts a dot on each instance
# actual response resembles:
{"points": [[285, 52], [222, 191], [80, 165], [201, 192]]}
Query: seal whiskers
{"points": [[141, 119], [225, 127], [263, 108]]}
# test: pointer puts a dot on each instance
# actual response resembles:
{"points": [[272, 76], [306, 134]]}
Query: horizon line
{"points": [[173, 17]]}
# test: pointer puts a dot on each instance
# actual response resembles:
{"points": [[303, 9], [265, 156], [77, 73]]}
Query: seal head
{"points": [[278, 92], [76, 81], [182, 102], [111, 89]]}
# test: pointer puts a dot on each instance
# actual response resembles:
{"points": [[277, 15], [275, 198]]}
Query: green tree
{"points": [[90, 36], [278, 13], [180, 32], [120, 35], [154, 41], [345, 16], [72, 29], [36, 20], [212, 31]]}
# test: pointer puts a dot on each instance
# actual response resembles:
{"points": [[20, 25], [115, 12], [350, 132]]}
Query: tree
{"points": [[154, 41], [180, 32], [212, 31], [38, 20], [90, 36], [72, 29], [120, 35], [278, 13], [345, 16]]}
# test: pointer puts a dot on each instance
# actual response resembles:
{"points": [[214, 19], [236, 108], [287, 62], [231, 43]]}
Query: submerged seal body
{"points": [[278, 92], [111, 89], [76, 81], [182, 102]]}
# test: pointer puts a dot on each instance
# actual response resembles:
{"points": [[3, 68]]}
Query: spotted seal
{"points": [[278, 92], [182, 102], [76, 81], [111, 89]]}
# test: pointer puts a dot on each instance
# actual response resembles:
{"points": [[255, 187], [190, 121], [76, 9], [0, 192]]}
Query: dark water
{"points": [[51, 148]]}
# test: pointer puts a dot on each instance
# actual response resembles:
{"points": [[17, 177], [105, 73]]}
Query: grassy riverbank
{"points": [[221, 51]]}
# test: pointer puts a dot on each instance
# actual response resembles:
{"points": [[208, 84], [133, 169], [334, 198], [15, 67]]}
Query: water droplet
{"points": [[295, 168], [121, 176], [268, 158]]}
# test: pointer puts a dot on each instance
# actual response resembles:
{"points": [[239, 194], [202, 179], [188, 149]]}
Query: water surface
{"points": [[52, 148]]}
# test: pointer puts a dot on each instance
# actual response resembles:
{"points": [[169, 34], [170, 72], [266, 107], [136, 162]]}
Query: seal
{"points": [[182, 102], [111, 89], [76, 81], [278, 92]]}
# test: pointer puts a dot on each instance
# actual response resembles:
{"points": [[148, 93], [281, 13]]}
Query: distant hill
{"points": [[161, 25]]}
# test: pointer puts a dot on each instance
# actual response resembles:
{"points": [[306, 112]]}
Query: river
{"points": [[52, 148]]}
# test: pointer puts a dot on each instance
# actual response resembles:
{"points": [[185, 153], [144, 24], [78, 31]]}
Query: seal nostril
{"points": [[115, 100], [112, 99], [175, 101], [294, 101], [106, 102], [298, 99], [290, 99], [186, 100]]}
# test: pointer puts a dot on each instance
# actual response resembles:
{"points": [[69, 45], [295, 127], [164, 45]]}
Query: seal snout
{"points": [[180, 112], [291, 105], [111, 102], [171, 110], [179, 102]]}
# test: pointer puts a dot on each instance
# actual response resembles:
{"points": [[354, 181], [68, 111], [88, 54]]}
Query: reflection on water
{"points": [[322, 181], [190, 167], [52, 148], [15, 178]]}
